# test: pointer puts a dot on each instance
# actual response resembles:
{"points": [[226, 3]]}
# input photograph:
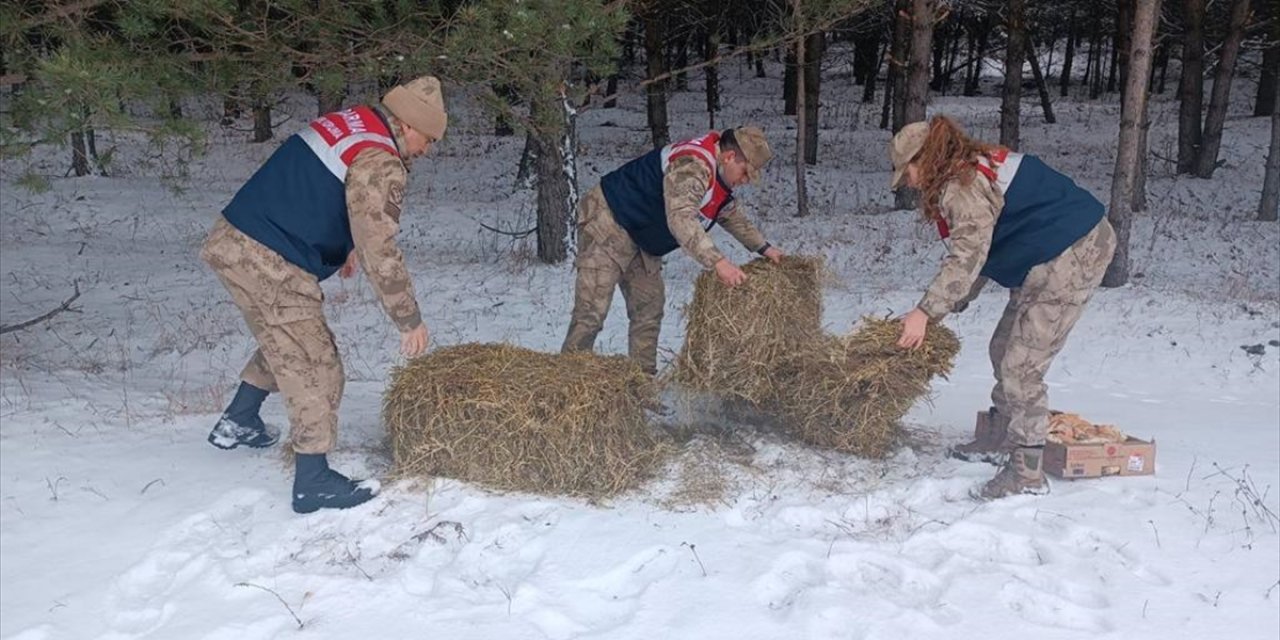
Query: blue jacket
{"points": [[634, 194], [1044, 213], [296, 203]]}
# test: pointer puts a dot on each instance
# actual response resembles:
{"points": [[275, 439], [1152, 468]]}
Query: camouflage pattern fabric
{"points": [[296, 352]]}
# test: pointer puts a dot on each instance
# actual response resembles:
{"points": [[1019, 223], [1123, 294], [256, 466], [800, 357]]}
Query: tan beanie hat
{"points": [[419, 103]]}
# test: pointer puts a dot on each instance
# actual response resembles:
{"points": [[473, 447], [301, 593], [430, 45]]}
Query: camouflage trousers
{"points": [[1035, 325], [609, 259], [282, 304]]}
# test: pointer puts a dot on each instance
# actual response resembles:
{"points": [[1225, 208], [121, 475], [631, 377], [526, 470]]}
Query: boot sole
{"points": [[994, 458], [313, 507], [214, 441]]}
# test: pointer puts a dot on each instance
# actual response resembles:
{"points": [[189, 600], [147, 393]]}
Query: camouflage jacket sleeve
{"points": [[375, 191], [735, 221], [683, 187], [970, 212]]}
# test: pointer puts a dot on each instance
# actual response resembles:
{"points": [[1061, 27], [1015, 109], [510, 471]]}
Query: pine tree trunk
{"points": [[760, 67], [872, 72], [1064, 80], [1124, 22], [1191, 86], [1114, 66], [1265, 104], [901, 55], [1041, 86], [91, 138], [629, 37], [502, 125], [611, 92], [711, 48], [1095, 87], [952, 56], [655, 92], [916, 92], [1128, 151], [175, 108], [79, 157], [865, 64], [789, 85], [1011, 96], [1162, 66], [1207, 160], [528, 157], [938, 55], [815, 47], [802, 190], [976, 58], [1271, 181], [553, 194], [557, 187], [682, 62], [230, 111], [261, 122]]}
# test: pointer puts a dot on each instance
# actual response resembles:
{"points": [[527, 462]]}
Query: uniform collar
{"points": [[397, 134]]}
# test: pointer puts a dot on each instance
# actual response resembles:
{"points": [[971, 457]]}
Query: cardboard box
{"points": [[1133, 457]]}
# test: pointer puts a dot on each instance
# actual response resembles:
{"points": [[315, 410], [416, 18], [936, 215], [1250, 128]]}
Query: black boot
{"points": [[240, 423], [316, 486]]}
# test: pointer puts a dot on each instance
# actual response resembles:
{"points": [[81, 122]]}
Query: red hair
{"points": [[947, 154]]}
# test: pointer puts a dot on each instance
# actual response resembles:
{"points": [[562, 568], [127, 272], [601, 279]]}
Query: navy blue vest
{"points": [[634, 194], [296, 203], [1044, 213]]}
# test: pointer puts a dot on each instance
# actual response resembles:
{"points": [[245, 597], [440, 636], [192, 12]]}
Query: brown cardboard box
{"points": [[1133, 457]]}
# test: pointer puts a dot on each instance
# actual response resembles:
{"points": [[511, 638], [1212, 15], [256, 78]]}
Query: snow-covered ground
{"points": [[117, 520]]}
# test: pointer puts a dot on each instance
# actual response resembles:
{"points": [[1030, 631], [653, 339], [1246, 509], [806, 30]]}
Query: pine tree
{"points": [[536, 48]]}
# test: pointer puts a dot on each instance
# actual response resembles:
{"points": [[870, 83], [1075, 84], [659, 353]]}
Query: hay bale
{"points": [[760, 347], [850, 393], [734, 336], [514, 419]]}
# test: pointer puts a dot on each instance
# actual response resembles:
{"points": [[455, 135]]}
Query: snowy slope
{"points": [[117, 520]]}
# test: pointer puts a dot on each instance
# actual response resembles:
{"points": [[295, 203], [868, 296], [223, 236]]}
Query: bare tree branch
{"points": [[65, 306]]}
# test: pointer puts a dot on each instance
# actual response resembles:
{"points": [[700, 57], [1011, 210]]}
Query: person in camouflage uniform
{"points": [[1012, 219], [330, 197], [665, 200]]}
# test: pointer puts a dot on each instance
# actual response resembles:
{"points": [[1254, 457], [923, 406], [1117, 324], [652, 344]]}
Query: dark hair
{"points": [[729, 142]]}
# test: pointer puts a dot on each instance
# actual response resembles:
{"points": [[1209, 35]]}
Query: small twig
{"points": [[95, 492], [1267, 596], [53, 486], [65, 306], [286, 604], [1153, 528], [513, 234], [694, 549], [1144, 608], [144, 489], [352, 558]]}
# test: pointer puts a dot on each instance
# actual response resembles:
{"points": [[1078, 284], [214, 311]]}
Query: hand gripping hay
{"points": [[735, 336], [514, 419], [850, 393], [762, 345]]}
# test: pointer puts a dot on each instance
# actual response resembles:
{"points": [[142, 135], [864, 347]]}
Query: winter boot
{"points": [[1021, 473], [316, 486], [992, 448], [240, 424]]}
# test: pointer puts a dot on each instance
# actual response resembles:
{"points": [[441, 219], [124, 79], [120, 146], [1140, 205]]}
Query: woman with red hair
{"points": [[1012, 219]]}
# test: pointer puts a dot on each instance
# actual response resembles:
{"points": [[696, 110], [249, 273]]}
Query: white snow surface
{"points": [[118, 520]]}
